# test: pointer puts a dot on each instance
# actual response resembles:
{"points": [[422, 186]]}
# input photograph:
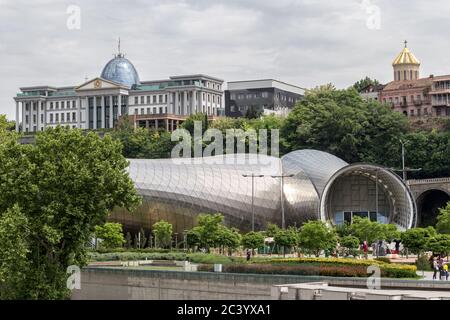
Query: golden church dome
{"points": [[406, 57]]}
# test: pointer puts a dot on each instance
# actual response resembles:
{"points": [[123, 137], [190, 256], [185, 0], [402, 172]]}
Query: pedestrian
{"points": [[248, 255], [365, 249], [435, 268], [397, 246], [445, 267]]}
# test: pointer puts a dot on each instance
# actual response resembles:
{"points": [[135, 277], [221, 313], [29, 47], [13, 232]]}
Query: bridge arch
{"points": [[428, 204]]}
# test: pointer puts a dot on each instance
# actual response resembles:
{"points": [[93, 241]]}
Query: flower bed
{"points": [[313, 270], [320, 267]]}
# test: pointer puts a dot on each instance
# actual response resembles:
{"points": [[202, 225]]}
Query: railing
{"points": [[426, 181]]}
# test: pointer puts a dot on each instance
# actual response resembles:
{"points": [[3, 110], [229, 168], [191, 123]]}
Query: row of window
{"points": [[53, 105], [248, 96], [150, 99], [442, 85], [151, 110], [418, 112], [404, 99], [62, 118], [158, 99]]}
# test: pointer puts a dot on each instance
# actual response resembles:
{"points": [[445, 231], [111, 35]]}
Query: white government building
{"points": [[100, 102]]}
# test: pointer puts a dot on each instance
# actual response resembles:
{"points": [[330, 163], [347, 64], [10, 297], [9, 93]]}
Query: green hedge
{"points": [[133, 256], [179, 256]]}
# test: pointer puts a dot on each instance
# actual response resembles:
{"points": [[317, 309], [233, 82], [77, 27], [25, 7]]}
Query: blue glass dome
{"points": [[121, 70]]}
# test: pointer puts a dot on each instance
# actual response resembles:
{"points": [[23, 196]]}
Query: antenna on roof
{"points": [[119, 54]]}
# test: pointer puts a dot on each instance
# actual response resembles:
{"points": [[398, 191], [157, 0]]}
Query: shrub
{"points": [[383, 259], [208, 258], [423, 264], [133, 256]]}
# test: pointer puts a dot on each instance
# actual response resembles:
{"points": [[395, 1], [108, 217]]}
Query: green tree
{"points": [[349, 245], [193, 237], [271, 230], [342, 123], [140, 143], [163, 233], [439, 244], [253, 240], [189, 123], [208, 229], [287, 239], [389, 232], [229, 238], [366, 230], [363, 83], [14, 249], [415, 240], [111, 235], [66, 184], [316, 236], [443, 220]]}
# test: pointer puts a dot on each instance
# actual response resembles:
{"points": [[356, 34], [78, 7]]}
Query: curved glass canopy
{"points": [[318, 186]]}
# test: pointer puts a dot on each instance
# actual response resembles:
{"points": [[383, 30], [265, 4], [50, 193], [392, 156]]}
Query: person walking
{"points": [[445, 267], [365, 249], [248, 255], [435, 268]]}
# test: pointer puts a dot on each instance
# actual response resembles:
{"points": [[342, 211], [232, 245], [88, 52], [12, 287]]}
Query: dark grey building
{"points": [[256, 97]]}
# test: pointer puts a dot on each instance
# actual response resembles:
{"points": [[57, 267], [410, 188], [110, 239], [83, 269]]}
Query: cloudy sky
{"points": [[304, 42]]}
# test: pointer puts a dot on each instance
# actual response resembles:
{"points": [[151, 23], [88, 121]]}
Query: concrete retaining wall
{"points": [[121, 284]]}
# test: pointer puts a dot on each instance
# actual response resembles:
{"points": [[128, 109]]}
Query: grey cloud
{"points": [[306, 42]]}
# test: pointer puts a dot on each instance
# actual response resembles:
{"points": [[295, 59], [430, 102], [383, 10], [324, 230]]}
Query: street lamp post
{"points": [[253, 176], [185, 232], [283, 222], [404, 169], [176, 240]]}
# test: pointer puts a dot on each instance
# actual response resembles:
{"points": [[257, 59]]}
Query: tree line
{"points": [[336, 121]]}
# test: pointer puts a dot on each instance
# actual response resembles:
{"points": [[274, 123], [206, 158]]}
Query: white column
{"points": [[119, 106], [38, 114], [78, 106], [94, 127], [170, 102], [186, 100], [102, 116], [23, 116], [192, 102], [111, 112], [200, 101], [17, 116]]}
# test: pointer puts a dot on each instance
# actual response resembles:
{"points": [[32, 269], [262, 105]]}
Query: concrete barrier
{"points": [[123, 283]]}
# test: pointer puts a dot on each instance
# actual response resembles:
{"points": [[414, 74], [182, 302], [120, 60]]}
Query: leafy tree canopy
{"points": [[163, 233], [363, 83], [111, 234], [344, 124], [64, 185]]}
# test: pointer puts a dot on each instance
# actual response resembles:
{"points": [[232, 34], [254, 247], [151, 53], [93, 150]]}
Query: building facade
{"points": [[412, 95], [100, 102], [260, 97]]}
